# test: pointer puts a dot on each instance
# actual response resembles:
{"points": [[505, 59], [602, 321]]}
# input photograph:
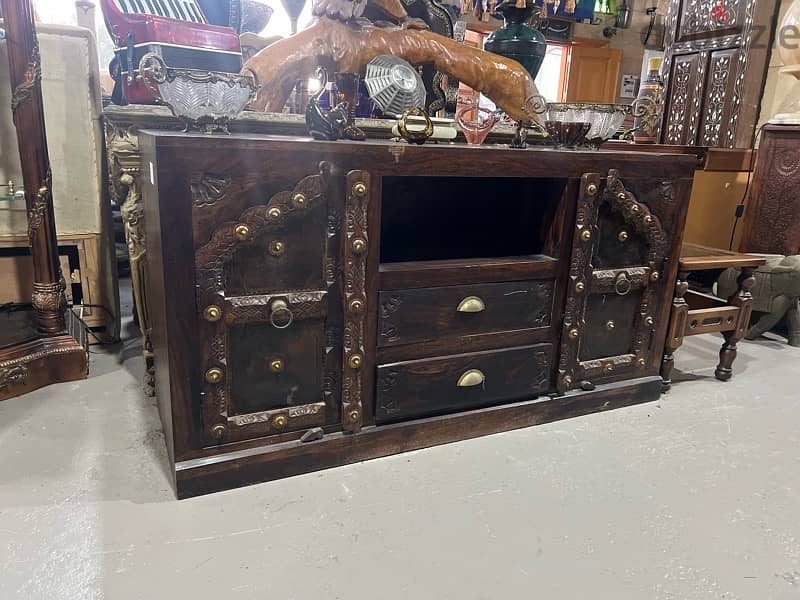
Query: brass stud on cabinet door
{"points": [[279, 421], [586, 235], [591, 189], [355, 361], [634, 208], [360, 189], [648, 219], [356, 306], [276, 365], [567, 380], [623, 236], [640, 362], [241, 232], [648, 320], [299, 200], [609, 368], [213, 375], [274, 212], [218, 431], [621, 195], [610, 325], [654, 276], [212, 313], [277, 248], [580, 286], [574, 333], [358, 245], [354, 415]]}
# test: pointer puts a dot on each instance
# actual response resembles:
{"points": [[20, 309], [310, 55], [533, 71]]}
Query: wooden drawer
{"points": [[420, 388], [419, 315]]}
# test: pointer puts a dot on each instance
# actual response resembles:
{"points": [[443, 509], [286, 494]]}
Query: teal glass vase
{"points": [[516, 39]]}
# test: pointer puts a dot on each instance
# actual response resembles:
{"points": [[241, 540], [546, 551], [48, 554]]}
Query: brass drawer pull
{"points": [[280, 317], [471, 378], [471, 304]]}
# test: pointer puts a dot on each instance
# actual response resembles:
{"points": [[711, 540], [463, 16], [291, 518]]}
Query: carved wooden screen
{"points": [[714, 70]]}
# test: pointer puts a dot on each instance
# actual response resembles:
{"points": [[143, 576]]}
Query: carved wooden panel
{"points": [[268, 355], [610, 312], [772, 215], [719, 92], [704, 19], [683, 106], [710, 72]]}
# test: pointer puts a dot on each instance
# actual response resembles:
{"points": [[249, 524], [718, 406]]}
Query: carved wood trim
{"points": [[580, 272], [208, 189], [13, 375], [355, 244], [124, 171], [210, 258]]}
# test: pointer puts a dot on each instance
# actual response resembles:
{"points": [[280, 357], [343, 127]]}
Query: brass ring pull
{"points": [[280, 317], [471, 304], [471, 378], [622, 285], [417, 136]]}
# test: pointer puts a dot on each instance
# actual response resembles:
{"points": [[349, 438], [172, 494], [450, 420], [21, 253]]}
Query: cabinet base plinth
{"points": [[216, 472]]}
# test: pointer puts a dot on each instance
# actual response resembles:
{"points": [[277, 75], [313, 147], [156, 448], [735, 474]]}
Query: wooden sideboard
{"points": [[316, 303]]}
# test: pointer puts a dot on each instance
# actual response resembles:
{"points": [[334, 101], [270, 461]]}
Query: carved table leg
{"points": [[677, 324], [122, 146], [743, 300], [133, 218]]}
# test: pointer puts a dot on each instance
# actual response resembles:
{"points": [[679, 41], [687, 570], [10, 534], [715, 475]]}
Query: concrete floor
{"points": [[692, 497]]}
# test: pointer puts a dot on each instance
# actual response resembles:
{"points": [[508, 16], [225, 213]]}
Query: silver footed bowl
{"points": [[206, 100], [604, 120]]}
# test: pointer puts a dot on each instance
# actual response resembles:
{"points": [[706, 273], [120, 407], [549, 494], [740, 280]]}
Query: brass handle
{"points": [[280, 317], [415, 136], [471, 304], [471, 378]]}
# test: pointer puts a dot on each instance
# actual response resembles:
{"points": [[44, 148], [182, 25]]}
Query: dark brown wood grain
{"points": [[472, 343], [434, 273], [421, 388], [427, 314]]}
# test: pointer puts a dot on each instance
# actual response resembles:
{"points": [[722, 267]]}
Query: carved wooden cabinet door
{"points": [[269, 313], [714, 70], [618, 254]]}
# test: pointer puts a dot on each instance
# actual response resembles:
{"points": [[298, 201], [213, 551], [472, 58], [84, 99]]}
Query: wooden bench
{"points": [[694, 313]]}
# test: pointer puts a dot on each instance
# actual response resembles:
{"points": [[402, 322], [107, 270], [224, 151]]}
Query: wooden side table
{"points": [[694, 313]]}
